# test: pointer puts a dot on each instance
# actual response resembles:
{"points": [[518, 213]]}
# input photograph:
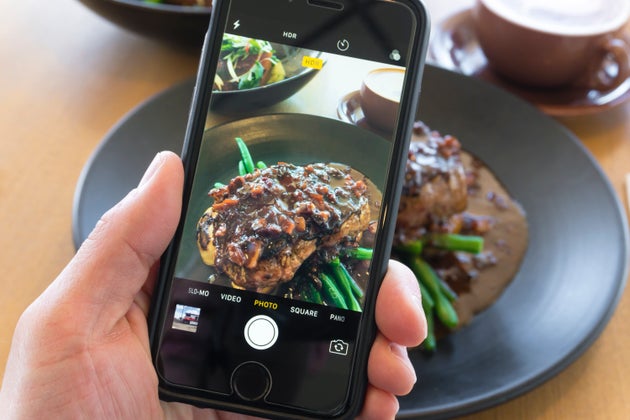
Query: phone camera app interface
{"points": [[283, 215], [288, 189]]}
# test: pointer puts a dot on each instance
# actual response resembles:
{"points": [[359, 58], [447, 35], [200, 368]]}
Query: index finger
{"points": [[399, 313]]}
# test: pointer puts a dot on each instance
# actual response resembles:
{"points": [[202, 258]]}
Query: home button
{"points": [[251, 381]]}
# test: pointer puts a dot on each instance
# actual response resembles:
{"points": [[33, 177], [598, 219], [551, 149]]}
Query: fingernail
{"points": [[152, 169], [401, 353]]}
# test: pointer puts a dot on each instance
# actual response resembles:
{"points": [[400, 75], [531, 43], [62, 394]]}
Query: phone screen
{"points": [[283, 217]]}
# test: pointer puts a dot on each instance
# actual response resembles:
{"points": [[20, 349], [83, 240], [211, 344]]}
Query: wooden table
{"points": [[67, 76]]}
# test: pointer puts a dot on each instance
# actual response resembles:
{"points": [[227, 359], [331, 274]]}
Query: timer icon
{"points": [[343, 45]]}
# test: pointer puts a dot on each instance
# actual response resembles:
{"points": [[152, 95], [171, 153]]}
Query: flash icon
{"points": [[237, 23]]}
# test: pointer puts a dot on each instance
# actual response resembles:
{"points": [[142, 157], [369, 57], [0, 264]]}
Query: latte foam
{"points": [[565, 17]]}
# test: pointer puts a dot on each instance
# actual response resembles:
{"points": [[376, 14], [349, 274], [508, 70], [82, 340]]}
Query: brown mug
{"points": [[545, 46], [380, 97]]}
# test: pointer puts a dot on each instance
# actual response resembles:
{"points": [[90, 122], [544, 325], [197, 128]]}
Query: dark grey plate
{"points": [[569, 283]]}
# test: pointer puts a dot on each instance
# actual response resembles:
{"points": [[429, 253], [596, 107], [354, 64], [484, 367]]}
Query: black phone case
{"points": [[391, 197]]}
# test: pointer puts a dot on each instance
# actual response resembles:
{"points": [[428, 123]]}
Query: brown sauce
{"points": [[506, 241]]}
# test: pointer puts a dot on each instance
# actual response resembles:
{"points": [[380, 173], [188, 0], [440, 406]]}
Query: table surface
{"points": [[67, 76]]}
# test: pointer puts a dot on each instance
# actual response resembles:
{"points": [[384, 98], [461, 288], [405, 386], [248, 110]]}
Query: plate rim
{"points": [[163, 7]]}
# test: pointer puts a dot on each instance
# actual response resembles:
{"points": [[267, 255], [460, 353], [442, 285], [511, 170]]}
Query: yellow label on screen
{"points": [[312, 62]]}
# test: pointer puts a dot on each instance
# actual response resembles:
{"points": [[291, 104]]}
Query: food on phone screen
{"points": [[271, 223], [264, 225], [457, 229], [246, 63]]}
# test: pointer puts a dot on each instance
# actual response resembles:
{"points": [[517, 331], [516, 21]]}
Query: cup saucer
{"points": [[349, 110], [454, 46]]}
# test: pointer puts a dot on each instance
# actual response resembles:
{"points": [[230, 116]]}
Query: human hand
{"points": [[81, 350]]}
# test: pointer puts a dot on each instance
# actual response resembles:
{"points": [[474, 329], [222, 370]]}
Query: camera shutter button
{"points": [[261, 332]]}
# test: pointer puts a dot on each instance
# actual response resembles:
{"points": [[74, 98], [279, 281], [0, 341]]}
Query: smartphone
{"points": [[266, 295]]}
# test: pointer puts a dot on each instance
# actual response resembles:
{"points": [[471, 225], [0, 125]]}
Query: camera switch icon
{"points": [[339, 347]]}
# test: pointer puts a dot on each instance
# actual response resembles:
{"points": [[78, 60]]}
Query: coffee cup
{"points": [[380, 97], [555, 43]]}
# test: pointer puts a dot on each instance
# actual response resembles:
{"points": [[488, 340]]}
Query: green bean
{"points": [[411, 247], [429, 342], [247, 157], [427, 301], [359, 253], [331, 291], [455, 242], [342, 280], [261, 165], [356, 289], [241, 168], [218, 185], [446, 313], [428, 305], [312, 294], [443, 308], [447, 291]]}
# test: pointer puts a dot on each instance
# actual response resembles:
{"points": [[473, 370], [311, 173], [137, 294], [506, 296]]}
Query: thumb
{"points": [[115, 260]]}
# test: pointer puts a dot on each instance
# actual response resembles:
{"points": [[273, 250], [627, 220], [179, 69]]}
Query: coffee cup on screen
{"points": [[555, 43], [380, 97]]}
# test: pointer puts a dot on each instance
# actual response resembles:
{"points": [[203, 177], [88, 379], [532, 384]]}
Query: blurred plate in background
{"points": [[176, 24]]}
